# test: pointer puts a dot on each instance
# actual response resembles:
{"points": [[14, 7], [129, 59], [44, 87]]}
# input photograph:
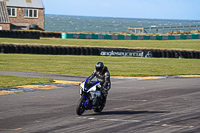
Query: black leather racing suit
{"points": [[103, 77]]}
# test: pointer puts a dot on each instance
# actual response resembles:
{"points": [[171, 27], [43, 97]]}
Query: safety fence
{"points": [[129, 36], [61, 50]]}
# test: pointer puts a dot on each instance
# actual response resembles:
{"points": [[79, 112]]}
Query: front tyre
{"points": [[80, 106]]}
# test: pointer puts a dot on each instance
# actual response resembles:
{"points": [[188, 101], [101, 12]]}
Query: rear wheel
{"points": [[80, 106], [102, 105]]}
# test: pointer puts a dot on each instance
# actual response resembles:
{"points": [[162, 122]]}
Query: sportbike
{"points": [[91, 97]]}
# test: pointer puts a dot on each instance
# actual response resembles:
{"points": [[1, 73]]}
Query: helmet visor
{"points": [[99, 69]]}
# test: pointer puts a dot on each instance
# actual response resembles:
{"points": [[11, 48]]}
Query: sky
{"points": [[151, 9]]}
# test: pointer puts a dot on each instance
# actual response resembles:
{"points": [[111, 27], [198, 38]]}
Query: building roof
{"points": [[24, 3], [4, 18]]}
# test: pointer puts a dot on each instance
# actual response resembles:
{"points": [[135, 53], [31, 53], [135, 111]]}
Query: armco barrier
{"points": [[58, 50], [146, 37], [95, 36], [129, 36]]}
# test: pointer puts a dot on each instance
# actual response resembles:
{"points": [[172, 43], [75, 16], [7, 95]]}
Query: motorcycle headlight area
{"points": [[82, 86]]}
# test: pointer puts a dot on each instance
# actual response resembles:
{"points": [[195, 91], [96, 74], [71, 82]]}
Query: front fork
{"points": [[87, 103]]}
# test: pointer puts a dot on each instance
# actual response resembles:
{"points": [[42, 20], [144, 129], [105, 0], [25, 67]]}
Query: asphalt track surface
{"points": [[169, 105]]}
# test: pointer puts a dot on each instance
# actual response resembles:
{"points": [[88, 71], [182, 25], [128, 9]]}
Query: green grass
{"points": [[84, 65], [192, 44], [10, 81]]}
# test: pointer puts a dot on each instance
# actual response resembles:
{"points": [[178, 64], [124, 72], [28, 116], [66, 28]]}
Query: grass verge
{"points": [[10, 81], [84, 65], [190, 44]]}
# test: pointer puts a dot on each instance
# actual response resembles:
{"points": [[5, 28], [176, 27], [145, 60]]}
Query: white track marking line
{"points": [[119, 120], [127, 100]]}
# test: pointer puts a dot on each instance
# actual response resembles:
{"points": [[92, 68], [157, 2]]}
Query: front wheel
{"points": [[80, 106]]}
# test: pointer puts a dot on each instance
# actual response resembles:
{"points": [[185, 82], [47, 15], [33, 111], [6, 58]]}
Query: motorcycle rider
{"points": [[103, 76]]}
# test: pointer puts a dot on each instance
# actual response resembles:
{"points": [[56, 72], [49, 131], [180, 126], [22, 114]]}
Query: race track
{"points": [[136, 106]]}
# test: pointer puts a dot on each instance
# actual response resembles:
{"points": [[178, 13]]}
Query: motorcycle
{"points": [[91, 97]]}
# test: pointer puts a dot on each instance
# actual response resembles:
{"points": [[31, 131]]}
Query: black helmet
{"points": [[99, 66]]}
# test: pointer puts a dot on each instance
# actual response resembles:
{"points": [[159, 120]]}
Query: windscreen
{"points": [[88, 85]]}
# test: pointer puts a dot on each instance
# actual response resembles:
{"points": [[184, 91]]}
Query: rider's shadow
{"points": [[129, 112]]}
